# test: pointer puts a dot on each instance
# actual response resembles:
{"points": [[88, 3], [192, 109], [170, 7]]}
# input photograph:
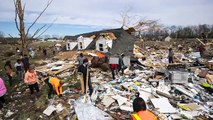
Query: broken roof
{"points": [[124, 42], [108, 36]]}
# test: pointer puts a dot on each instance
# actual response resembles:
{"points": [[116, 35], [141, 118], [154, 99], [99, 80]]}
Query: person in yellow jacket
{"points": [[55, 86], [141, 113]]}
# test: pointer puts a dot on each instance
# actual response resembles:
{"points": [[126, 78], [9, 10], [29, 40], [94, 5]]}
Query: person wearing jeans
{"points": [[55, 86], [31, 79], [86, 75], [114, 70], [19, 69], [121, 64]]}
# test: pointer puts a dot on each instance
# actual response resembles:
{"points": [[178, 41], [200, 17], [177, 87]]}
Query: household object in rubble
{"points": [[178, 77]]}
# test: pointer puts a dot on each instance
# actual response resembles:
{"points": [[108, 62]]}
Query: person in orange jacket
{"points": [[55, 85], [141, 113]]}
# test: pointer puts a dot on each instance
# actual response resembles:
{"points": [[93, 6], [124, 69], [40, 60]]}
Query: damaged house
{"points": [[104, 42], [71, 44], [115, 41]]}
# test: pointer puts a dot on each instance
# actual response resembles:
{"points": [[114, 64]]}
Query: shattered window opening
{"points": [[101, 48]]}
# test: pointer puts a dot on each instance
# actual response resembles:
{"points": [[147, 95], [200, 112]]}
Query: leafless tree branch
{"points": [[10, 35], [48, 4], [45, 29], [38, 30]]}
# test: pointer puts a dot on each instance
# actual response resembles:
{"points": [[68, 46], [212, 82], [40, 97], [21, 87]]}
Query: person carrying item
{"points": [[19, 69], [31, 79], [141, 113], [55, 86], [84, 69], [3, 91]]}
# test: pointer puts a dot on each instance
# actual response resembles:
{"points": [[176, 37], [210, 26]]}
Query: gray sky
{"points": [[107, 12], [81, 16]]}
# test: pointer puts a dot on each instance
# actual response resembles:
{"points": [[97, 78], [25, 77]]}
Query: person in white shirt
{"points": [[19, 69]]}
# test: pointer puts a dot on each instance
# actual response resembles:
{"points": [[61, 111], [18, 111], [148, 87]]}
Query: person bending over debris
{"points": [[9, 71], [170, 56], [85, 69], [31, 79], [141, 113], [54, 82], [3, 91]]}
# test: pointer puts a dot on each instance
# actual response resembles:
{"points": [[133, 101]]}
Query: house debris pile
{"points": [[171, 91]]}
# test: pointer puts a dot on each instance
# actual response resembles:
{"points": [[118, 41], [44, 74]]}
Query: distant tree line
{"points": [[196, 31], [199, 31]]}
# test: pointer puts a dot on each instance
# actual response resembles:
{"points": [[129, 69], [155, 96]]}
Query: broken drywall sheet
{"points": [[59, 108], [107, 101], [121, 100], [163, 105], [126, 108], [86, 111], [145, 95], [48, 111], [184, 91]]}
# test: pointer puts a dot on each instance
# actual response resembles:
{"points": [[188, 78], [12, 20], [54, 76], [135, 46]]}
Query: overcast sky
{"points": [[88, 15]]}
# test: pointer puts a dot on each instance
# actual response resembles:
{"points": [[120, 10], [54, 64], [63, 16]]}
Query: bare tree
{"points": [[137, 22], [20, 24]]}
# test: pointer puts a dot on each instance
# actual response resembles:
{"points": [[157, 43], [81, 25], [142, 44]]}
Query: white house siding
{"points": [[105, 43], [71, 45], [83, 42]]}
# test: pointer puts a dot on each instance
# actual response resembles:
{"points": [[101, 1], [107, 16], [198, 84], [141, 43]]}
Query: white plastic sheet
{"points": [[86, 111]]}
